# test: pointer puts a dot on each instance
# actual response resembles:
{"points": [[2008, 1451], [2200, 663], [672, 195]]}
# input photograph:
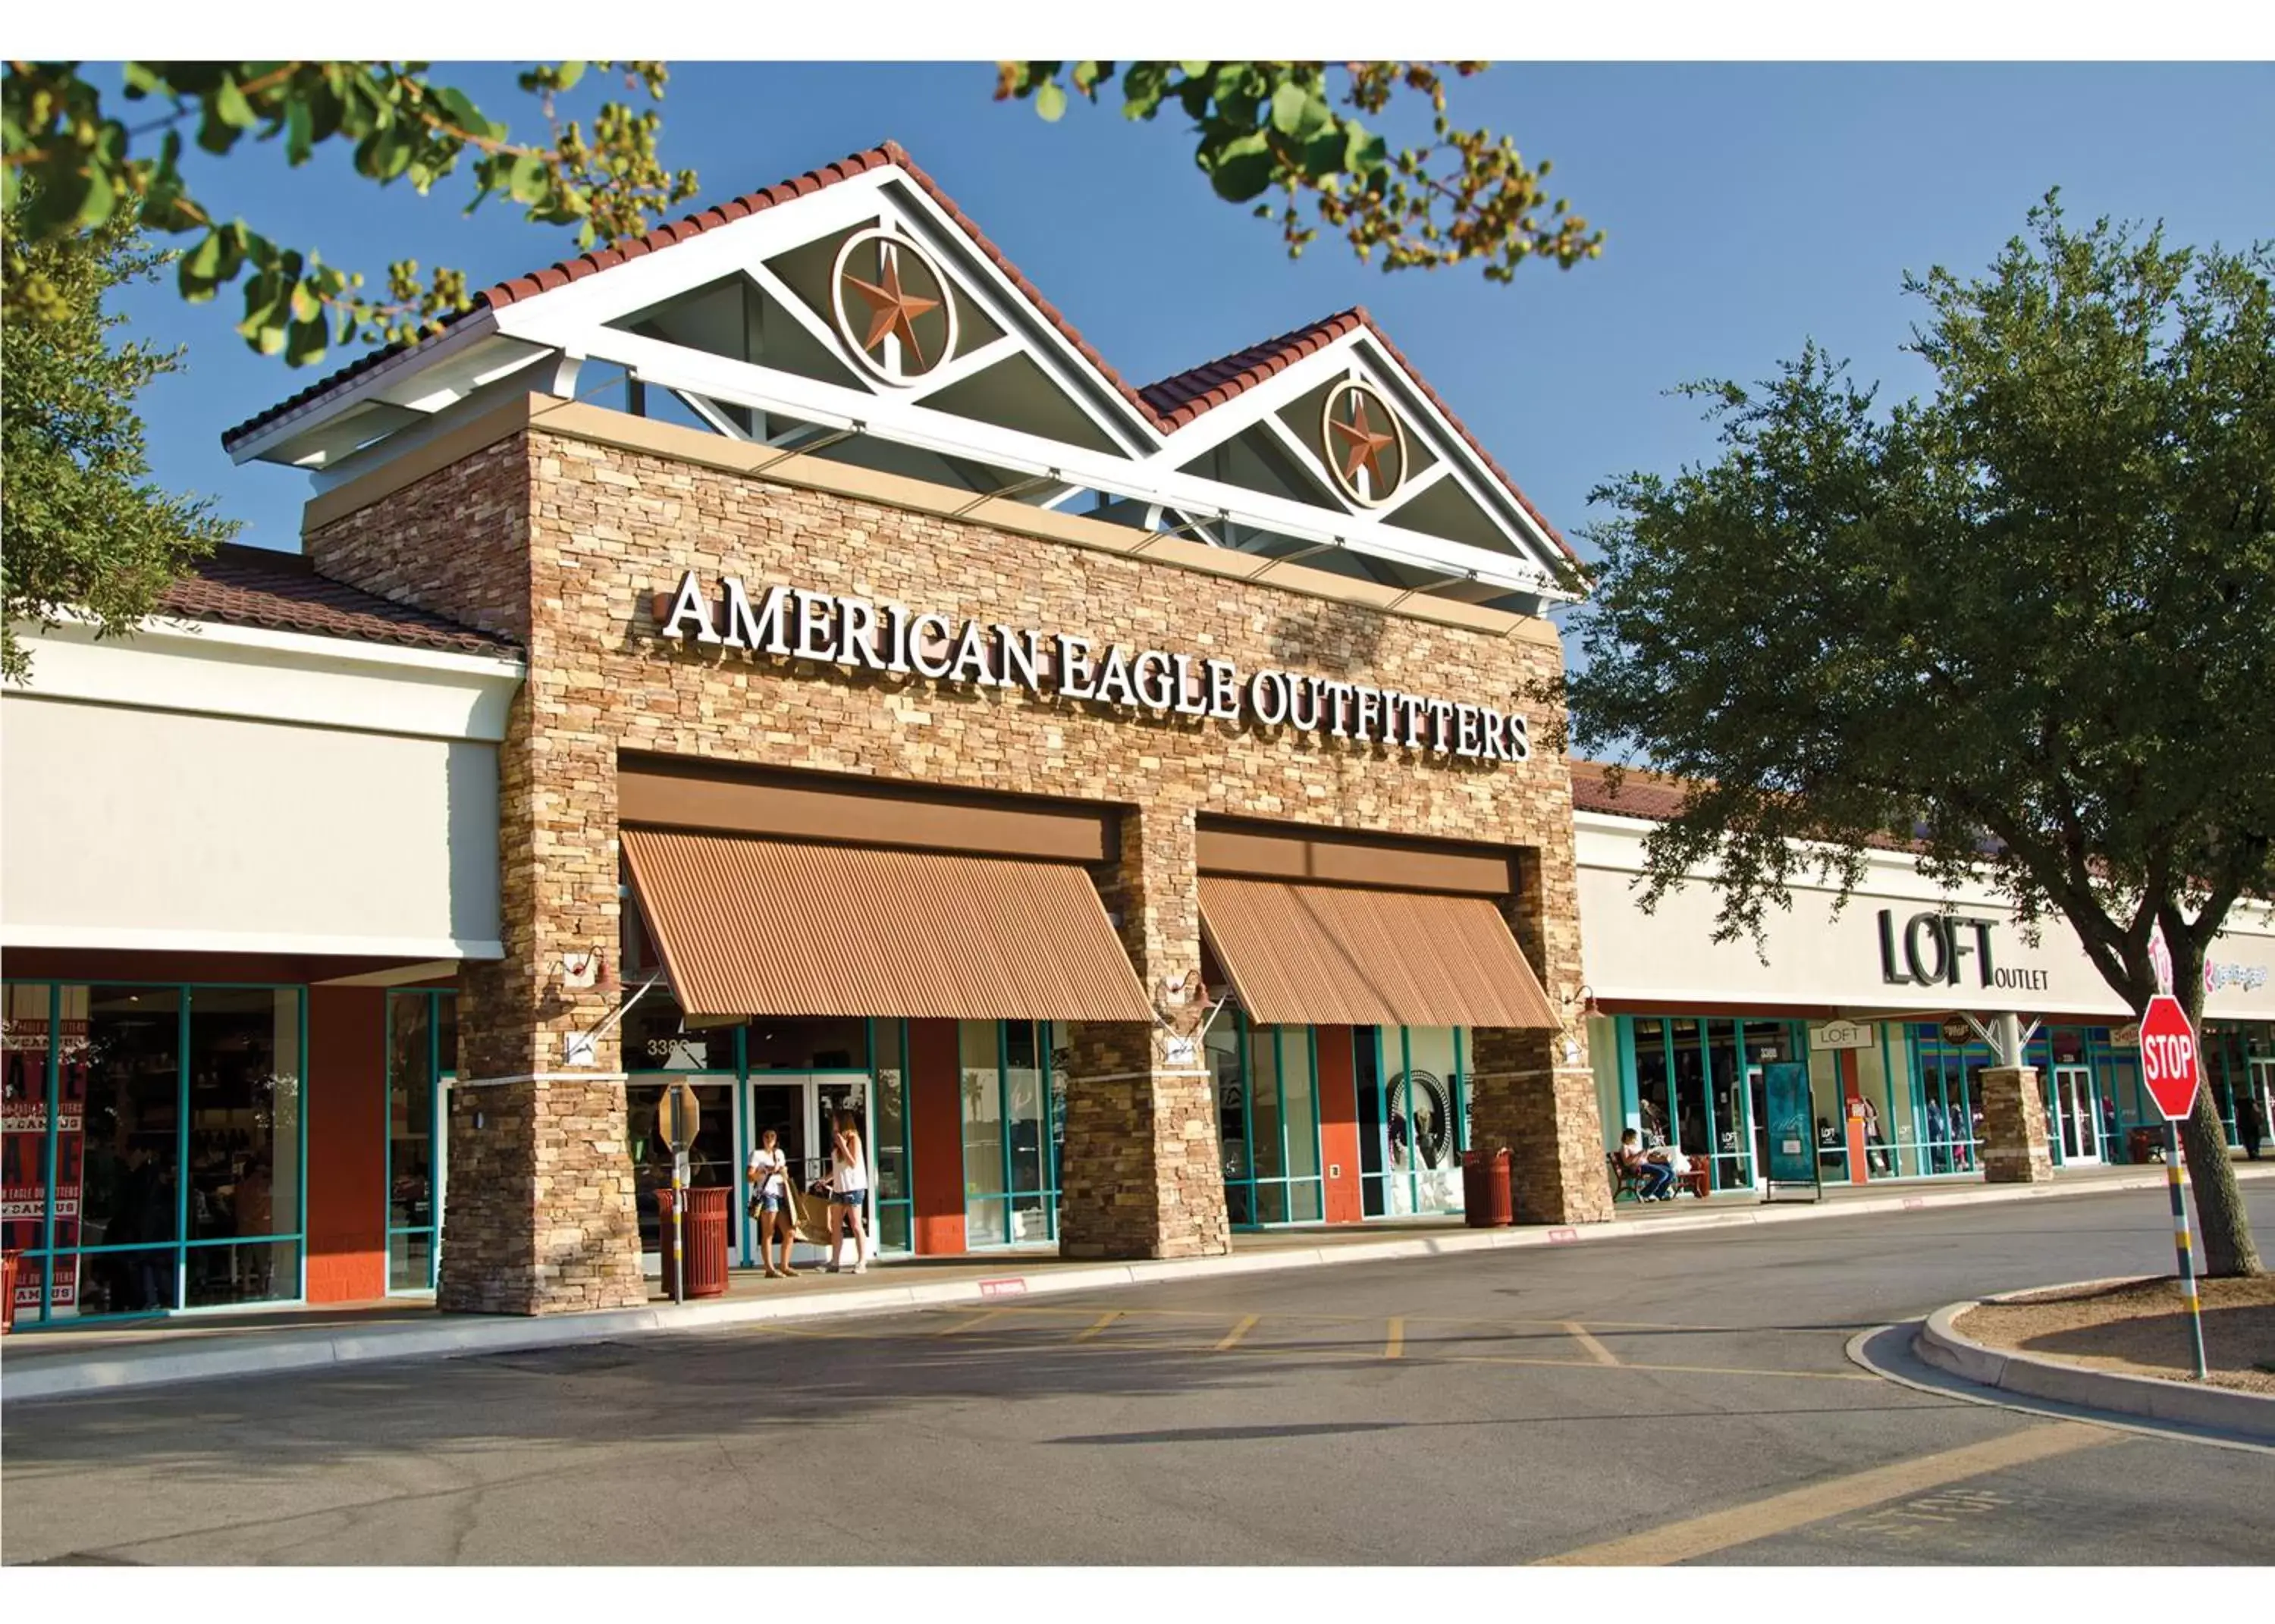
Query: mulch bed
{"points": [[2139, 1328]]}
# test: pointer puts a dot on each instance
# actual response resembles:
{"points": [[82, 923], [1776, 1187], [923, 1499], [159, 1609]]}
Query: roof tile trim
{"points": [[281, 592], [1186, 395]]}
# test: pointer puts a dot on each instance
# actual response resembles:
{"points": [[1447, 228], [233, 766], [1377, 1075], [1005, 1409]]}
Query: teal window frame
{"points": [[1744, 1171], [906, 1205], [437, 1111], [47, 1251], [1458, 1103], [1248, 1182], [1948, 1063], [1048, 1158]]}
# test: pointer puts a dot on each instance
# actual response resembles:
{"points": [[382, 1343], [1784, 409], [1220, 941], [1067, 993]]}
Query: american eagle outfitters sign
{"points": [[858, 634]]}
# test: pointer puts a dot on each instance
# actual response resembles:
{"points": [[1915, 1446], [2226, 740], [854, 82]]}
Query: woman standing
{"points": [[769, 1178], [849, 1191]]}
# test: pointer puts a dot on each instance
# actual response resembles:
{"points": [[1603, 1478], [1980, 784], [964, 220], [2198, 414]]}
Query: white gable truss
{"points": [[572, 338]]}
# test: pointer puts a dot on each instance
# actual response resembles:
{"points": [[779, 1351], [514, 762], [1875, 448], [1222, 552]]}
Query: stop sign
{"points": [[2168, 1057]]}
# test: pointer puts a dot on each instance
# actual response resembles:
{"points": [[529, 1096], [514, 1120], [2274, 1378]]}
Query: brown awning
{"points": [[752, 927], [1318, 956]]}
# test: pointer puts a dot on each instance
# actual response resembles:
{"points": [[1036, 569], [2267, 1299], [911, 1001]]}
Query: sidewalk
{"points": [[192, 1347]]}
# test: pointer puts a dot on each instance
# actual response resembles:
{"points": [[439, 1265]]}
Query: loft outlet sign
{"points": [[1932, 947], [861, 635]]}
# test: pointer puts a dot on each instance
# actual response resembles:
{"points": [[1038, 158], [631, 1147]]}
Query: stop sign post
{"points": [[2169, 1067]]}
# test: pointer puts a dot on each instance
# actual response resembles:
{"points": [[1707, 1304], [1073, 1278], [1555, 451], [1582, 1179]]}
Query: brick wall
{"points": [[584, 534]]}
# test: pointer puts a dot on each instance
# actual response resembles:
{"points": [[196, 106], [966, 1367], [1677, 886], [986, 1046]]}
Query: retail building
{"points": [[1890, 1003], [780, 653]]}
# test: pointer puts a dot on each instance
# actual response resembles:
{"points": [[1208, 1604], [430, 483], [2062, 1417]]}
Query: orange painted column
{"points": [[1852, 1111], [936, 1137], [347, 1144], [1339, 1125]]}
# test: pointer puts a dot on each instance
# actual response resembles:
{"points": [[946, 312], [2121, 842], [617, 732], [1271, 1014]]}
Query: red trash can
{"points": [[702, 1238], [1486, 1203]]}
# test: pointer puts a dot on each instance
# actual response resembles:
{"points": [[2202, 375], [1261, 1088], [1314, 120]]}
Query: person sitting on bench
{"points": [[1656, 1176]]}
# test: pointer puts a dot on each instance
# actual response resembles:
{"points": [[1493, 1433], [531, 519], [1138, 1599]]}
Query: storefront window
{"points": [[155, 1142], [422, 1046], [1010, 1133], [1949, 1089], [710, 1159], [894, 1196], [1268, 1120], [244, 1139]]}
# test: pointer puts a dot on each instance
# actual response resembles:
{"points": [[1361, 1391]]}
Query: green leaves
{"points": [[1258, 126], [83, 529], [75, 167]]}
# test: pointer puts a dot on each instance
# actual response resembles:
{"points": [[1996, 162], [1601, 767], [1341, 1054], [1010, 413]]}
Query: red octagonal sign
{"points": [[2168, 1057]]}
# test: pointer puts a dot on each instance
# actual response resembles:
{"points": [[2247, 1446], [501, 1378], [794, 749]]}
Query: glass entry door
{"points": [[800, 1107], [2074, 1111]]}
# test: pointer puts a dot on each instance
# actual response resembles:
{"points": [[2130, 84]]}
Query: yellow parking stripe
{"points": [[1232, 1338], [1102, 1321], [973, 1324], [1396, 1347], [1597, 1351], [1781, 1513]]}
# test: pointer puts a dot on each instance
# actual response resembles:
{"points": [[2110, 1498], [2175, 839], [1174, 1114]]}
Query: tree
{"points": [[82, 526], [1467, 195], [2023, 623]]}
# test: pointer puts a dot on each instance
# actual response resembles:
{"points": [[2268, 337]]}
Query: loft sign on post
{"points": [[862, 635]]}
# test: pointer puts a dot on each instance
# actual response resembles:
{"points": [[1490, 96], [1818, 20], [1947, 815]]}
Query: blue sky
{"points": [[1747, 207]]}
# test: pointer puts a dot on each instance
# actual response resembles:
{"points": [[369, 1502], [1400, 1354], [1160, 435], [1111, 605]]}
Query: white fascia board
{"points": [[210, 668], [1261, 403], [128, 939], [558, 316], [1112, 410], [910, 423], [1484, 486], [267, 442]]}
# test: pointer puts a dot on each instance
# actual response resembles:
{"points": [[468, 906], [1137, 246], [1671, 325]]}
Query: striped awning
{"points": [[749, 927], [1322, 955]]}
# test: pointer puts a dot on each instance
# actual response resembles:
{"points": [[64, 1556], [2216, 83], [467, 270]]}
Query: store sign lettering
{"points": [[1931, 945], [2250, 977], [858, 634]]}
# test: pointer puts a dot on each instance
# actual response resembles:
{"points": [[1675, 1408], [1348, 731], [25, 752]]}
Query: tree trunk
{"points": [[2223, 1229]]}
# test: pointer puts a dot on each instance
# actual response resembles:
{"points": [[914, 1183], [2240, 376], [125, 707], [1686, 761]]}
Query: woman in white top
{"points": [[769, 1176], [849, 1191]]}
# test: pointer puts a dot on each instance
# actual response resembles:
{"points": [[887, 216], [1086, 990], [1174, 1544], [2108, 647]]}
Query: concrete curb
{"points": [[258, 1353], [1939, 1344]]}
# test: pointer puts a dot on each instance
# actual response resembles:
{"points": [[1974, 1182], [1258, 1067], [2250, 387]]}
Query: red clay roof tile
{"points": [[253, 586]]}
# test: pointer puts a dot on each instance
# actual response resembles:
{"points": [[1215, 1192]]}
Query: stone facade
{"points": [[562, 541], [2015, 1148]]}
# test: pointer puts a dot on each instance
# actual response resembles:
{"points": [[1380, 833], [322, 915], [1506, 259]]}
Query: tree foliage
{"points": [[82, 526], [88, 156], [86, 165], [1262, 127], [2024, 624]]}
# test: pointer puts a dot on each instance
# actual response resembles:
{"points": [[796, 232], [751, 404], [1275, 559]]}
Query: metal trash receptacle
{"points": [[1486, 1201], [703, 1237]]}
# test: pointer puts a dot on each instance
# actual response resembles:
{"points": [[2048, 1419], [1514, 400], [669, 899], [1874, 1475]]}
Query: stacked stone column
{"points": [[1140, 1174], [2015, 1148], [1532, 1092]]}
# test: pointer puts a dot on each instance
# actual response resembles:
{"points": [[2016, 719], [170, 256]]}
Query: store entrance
{"points": [[799, 1106], [2077, 1115]]}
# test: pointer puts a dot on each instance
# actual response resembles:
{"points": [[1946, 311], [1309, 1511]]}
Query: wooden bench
{"points": [[1630, 1184]]}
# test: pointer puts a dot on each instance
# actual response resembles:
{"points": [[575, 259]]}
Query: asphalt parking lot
{"points": [[1663, 1398]]}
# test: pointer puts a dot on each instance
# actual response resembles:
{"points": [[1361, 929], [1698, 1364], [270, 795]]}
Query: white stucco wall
{"points": [[215, 790]]}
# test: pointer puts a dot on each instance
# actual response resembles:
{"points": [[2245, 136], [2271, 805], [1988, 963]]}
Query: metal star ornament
{"points": [[883, 284], [1355, 444]]}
